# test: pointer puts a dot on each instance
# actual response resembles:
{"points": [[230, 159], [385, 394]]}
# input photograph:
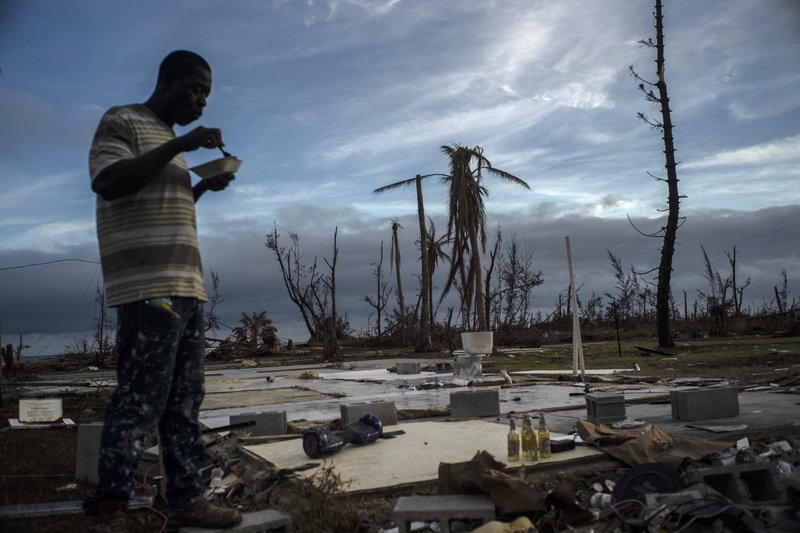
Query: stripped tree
{"points": [[670, 229], [381, 293]]}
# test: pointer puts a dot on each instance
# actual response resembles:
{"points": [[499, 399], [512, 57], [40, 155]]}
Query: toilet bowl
{"points": [[477, 345]]}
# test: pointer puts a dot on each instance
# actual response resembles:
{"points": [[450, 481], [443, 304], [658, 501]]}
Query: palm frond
{"points": [[402, 183]]}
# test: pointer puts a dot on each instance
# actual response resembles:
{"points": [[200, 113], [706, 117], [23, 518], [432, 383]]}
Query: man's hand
{"points": [[217, 183], [200, 137]]}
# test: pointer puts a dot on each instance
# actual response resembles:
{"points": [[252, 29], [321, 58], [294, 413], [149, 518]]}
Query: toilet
{"points": [[477, 345]]}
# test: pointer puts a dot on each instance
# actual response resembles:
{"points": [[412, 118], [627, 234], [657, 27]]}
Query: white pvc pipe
{"points": [[577, 344]]}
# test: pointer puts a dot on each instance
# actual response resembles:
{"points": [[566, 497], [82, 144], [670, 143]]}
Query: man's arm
{"points": [[131, 175]]}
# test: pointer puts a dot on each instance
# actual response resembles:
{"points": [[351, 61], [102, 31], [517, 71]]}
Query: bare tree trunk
{"points": [[489, 271], [685, 307], [737, 305], [100, 333], [738, 289], [400, 298], [425, 342], [381, 295], [475, 259], [332, 266], [330, 345], [673, 200], [330, 335]]}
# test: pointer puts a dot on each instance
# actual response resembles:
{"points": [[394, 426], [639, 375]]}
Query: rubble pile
{"points": [[742, 488]]}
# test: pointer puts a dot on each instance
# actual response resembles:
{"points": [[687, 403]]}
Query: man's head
{"points": [[184, 83]]}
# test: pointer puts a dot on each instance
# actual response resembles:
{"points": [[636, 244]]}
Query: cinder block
{"points": [[756, 482], [475, 403], [443, 509], [273, 423], [87, 455], [605, 408], [271, 521], [385, 410], [406, 367], [704, 403]]}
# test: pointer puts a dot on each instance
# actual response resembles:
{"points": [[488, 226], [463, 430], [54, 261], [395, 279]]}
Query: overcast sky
{"points": [[326, 100]]}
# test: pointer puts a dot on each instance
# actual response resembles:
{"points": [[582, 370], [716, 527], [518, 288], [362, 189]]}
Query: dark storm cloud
{"points": [[59, 298]]}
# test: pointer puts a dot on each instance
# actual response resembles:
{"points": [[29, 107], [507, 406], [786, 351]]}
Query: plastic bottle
{"points": [[544, 438], [600, 500], [530, 448], [513, 442]]}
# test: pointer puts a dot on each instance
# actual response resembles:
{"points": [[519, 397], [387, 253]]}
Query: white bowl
{"points": [[216, 167]]}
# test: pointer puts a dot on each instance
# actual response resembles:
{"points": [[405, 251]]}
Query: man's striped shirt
{"points": [[148, 239]]}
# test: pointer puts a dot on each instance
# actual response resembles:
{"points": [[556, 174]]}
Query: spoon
{"points": [[224, 153]]}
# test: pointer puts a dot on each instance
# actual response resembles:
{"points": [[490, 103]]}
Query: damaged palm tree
{"points": [[255, 332], [425, 343], [670, 229], [466, 224]]}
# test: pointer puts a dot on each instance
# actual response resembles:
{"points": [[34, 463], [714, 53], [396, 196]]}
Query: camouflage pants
{"points": [[159, 383]]}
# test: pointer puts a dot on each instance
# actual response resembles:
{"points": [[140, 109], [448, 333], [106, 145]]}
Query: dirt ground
{"points": [[38, 465]]}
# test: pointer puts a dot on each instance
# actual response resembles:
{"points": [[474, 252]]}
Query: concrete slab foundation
{"points": [[443, 509], [386, 411], [475, 403], [704, 403], [273, 423], [412, 456]]}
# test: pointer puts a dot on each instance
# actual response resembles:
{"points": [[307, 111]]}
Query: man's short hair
{"points": [[181, 63]]}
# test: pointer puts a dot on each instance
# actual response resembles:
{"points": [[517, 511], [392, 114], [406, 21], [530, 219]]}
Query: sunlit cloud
{"points": [[43, 185], [778, 151]]}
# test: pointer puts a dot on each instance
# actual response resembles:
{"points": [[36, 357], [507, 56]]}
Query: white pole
{"points": [[577, 345]]}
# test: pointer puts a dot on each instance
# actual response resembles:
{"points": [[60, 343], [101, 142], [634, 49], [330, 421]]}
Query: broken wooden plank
{"points": [[644, 350]]}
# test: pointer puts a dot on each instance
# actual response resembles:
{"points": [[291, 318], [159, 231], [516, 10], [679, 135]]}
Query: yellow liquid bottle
{"points": [[513, 442], [544, 437], [530, 448]]}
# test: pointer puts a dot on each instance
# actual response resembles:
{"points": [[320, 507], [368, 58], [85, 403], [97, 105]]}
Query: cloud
{"points": [[37, 187], [778, 151], [62, 230], [63, 293]]}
